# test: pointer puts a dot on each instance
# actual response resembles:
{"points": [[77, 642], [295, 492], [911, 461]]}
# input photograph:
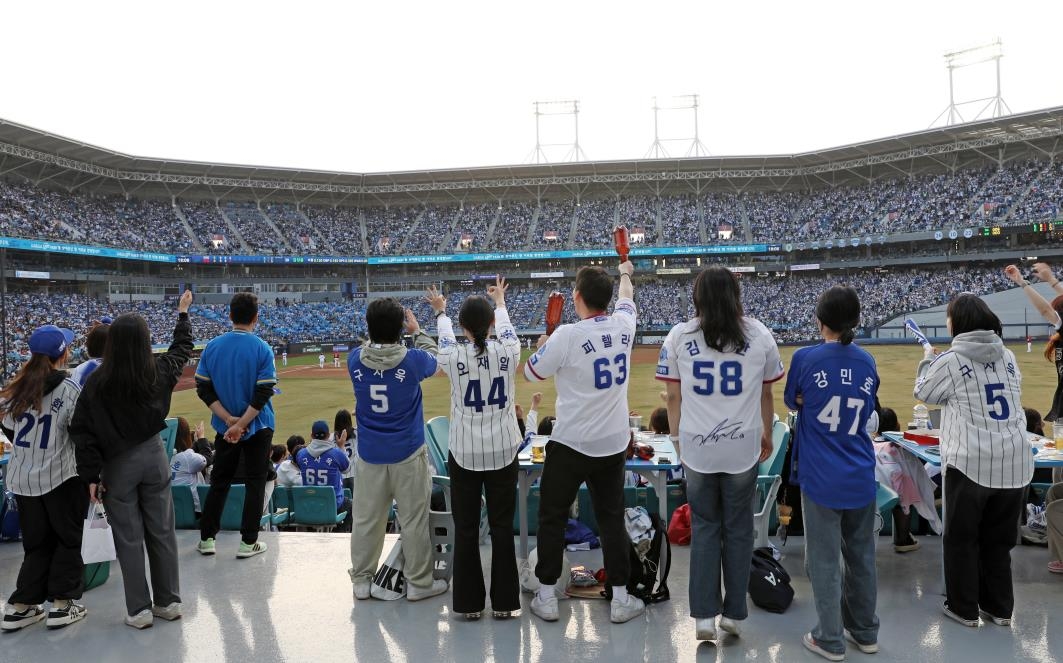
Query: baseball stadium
{"points": [[913, 225]]}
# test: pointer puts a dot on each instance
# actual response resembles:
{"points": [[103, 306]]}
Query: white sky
{"points": [[374, 86]]}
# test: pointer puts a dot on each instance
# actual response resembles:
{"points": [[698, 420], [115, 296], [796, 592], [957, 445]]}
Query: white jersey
{"points": [[186, 469], [42, 454], [720, 422], [483, 420], [591, 360]]}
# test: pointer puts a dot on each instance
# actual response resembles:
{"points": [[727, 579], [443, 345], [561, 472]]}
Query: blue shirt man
{"points": [[322, 462]]}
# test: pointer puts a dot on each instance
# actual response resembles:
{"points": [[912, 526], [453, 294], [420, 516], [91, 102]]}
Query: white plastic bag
{"points": [[389, 583], [97, 540]]}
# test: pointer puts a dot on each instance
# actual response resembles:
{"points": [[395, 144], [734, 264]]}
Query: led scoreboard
{"points": [[987, 231]]}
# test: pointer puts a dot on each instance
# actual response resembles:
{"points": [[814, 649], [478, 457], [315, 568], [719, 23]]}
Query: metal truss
{"points": [[654, 175]]}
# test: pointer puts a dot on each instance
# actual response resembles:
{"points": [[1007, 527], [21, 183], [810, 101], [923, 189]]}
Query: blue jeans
{"points": [[847, 602], [721, 514]]}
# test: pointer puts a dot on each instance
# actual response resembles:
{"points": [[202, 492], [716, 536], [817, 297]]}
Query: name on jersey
{"points": [[484, 362], [845, 377], [606, 341], [399, 375]]}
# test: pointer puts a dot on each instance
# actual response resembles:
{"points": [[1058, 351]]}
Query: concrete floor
{"points": [[294, 604]]}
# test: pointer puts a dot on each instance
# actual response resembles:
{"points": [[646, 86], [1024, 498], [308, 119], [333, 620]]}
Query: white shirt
{"points": [[720, 422], [42, 455], [483, 420], [288, 474], [591, 362], [186, 469], [983, 425]]}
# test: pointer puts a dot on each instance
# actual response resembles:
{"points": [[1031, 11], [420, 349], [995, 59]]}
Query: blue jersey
{"points": [[833, 457], [324, 470], [236, 363], [388, 406]]}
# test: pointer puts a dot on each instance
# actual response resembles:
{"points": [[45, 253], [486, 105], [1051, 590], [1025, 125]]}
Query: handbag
{"points": [[389, 583], [679, 530], [97, 539]]}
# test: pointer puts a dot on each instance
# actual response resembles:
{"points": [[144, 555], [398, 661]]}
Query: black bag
{"points": [[769, 583], [644, 582]]}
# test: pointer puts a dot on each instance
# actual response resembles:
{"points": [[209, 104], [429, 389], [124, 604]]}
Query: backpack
{"points": [[9, 523], [645, 556], [769, 583]]}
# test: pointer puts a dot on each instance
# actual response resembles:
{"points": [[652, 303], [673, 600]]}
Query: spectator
{"points": [[659, 421], [277, 454], [116, 427], [288, 472], [187, 466], [94, 344], [323, 462], [343, 422]]}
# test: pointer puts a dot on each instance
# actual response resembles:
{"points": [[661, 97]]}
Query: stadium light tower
{"points": [[968, 57], [568, 107], [687, 102]]}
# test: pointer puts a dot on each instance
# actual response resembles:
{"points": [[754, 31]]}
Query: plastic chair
{"points": [[441, 533], [769, 481], [314, 507], [282, 506], [184, 507], [437, 436], [169, 437], [885, 499]]}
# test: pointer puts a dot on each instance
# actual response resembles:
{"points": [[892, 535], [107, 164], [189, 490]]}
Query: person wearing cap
{"points": [[117, 428], [37, 406], [323, 462]]}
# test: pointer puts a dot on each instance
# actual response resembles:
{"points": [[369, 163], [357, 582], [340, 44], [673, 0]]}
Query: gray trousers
{"points": [[140, 510], [1054, 518]]}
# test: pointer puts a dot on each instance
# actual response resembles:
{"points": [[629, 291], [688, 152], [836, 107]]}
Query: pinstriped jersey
{"points": [[42, 454], [983, 426], [483, 422]]}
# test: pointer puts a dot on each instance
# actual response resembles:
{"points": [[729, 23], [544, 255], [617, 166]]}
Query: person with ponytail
{"points": [[116, 429], [985, 459], [37, 406], [484, 438], [1052, 312], [719, 368], [833, 387]]}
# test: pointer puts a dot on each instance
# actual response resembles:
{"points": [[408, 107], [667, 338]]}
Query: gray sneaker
{"points": [[167, 612]]}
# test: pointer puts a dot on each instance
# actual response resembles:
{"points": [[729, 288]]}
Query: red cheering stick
{"points": [[554, 306], [622, 241]]}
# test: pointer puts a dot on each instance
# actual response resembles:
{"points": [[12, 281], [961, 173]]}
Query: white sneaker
{"points": [[813, 646], [142, 619], [626, 610], [731, 626], [705, 629], [361, 589], [545, 610], [871, 648], [435, 589], [167, 612], [14, 620], [60, 617], [999, 621]]}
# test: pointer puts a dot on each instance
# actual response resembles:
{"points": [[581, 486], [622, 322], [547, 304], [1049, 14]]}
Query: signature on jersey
{"points": [[723, 431]]}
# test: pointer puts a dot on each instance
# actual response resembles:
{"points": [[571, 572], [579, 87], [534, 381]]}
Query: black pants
{"points": [[499, 488], [345, 508], [981, 528], [51, 539], [255, 451], [902, 526], [563, 472]]}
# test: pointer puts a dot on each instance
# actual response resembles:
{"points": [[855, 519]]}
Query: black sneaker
{"points": [[14, 621], [60, 617]]}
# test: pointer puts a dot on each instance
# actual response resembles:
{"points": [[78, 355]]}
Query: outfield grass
{"points": [[306, 396]]}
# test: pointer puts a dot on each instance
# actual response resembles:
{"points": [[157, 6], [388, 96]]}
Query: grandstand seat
{"points": [[281, 508], [169, 437], [184, 507], [441, 533], [437, 436], [771, 467], [314, 507], [233, 511], [885, 499]]}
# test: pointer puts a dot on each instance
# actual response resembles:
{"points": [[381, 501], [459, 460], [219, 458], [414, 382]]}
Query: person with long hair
{"points": [[1052, 312], [187, 466], [484, 438], [37, 406], [985, 457], [343, 422], [719, 368], [116, 427], [834, 386]]}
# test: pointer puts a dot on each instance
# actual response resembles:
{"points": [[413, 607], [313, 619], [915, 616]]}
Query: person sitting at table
{"points": [[986, 457], [906, 475], [719, 368]]}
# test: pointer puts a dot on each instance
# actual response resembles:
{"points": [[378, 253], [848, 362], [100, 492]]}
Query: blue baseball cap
{"points": [[319, 430], [50, 340], [106, 320]]}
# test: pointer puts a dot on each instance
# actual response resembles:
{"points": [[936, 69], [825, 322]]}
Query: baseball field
{"points": [[308, 393]]}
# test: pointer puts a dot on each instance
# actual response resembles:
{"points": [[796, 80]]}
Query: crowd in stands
{"points": [[1016, 193]]}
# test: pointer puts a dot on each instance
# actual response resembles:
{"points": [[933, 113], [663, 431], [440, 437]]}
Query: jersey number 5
{"points": [[378, 393]]}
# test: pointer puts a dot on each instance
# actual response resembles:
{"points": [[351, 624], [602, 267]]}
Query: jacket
{"points": [[103, 429]]}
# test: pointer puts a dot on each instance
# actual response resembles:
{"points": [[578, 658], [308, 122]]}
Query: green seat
{"points": [[314, 507], [437, 437], [184, 507], [1040, 491], [885, 499], [282, 505], [233, 511], [771, 467], [169, 437]]}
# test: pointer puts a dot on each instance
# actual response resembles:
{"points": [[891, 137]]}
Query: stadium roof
{"points": [[44, 158]]}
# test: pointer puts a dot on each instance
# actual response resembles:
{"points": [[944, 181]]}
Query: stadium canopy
{"points": [[54, 161]]}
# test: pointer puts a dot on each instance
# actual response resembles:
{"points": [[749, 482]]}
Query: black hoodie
{"points": [[102, 430]]}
